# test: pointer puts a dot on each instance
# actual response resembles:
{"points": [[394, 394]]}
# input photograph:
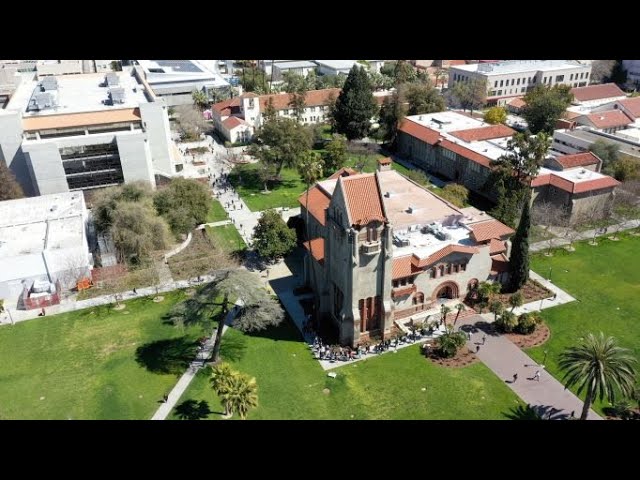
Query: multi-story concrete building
{"points": [[569, 141], [335, 67], [42, 239], [176, 80], [384, 248], [78, 132], [236, 119], [464, 149], [513, 78]]}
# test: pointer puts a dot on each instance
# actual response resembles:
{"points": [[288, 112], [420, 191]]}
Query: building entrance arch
{"points": [[446, 291]]}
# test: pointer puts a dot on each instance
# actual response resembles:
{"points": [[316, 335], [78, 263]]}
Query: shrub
{"points": [[506, 322], [449, 343], [526, 323]]}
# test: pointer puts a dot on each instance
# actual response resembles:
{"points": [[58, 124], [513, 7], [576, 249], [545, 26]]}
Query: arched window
{"points": [[418, 298]]}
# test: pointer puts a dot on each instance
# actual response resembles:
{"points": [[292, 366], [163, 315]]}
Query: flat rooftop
{"points": [[337, 64], [574, 175], [30, 225], [519, 66], [296, 64], [177, 72], [624, 145], [79, 94]]}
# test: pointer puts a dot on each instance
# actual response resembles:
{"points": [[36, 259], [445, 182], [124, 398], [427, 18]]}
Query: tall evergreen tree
{"points": [[355, 105], [9, 187], [520, 248]]}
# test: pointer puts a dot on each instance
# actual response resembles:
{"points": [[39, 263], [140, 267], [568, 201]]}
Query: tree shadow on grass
{"points": [[536, 412], [233, 347], [193, 410], [286, 331], [172, 355], [522, 412]]}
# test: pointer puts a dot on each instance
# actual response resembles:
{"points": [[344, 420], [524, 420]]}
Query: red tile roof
{"points": [[596, 92], [313, 98], [419, 131], [224, 108], [496, 246], [343, 172], [609, 119], [483, 133], [490, 229], [577, 160], [317, 244], [631, 106], [516, 102], [442, 253], [499, 263], [466, 153], [233, 122], [318, 203], [569, 115], [578, 187], [402, 267], [362, 198]]}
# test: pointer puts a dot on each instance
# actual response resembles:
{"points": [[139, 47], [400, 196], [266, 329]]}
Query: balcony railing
{"points": [[370, 248]]}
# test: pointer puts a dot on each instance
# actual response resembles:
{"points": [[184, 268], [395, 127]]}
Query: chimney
{"points": [[384, 164]]}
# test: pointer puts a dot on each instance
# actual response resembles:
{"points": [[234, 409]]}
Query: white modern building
{"points": [[335, 67], [298, 67], [175, 80], [633, 72], [43, 241], [513, 78], [79, 132]]}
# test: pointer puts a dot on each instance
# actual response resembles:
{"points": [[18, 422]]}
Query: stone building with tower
{"points": [[383, 248]]}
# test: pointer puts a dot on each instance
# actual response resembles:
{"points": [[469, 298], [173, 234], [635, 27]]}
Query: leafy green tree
{"points": [[254, 80], [516, 300], [510, 196], [525, 155], [455, 193], [293, 82], [10, 189], [599, 366], [488, 290], [545, 105], [335, 155], [200, 99], [272, 239], [418, 176], [184, 203], [459, 308], [355, 105], [519, 260], [280, 142], [607, 152], [507, 322], [404, 72], [496, 115], [626, 168], [450, 342], [423, 98], [241, 395], [392, 112], [618, 73], [440, 75], [470, 95], [527, 323], [444, 310]]}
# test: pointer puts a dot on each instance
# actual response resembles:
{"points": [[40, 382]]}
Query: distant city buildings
{"points": [[633, 73], [84, 131], [513, 78]]}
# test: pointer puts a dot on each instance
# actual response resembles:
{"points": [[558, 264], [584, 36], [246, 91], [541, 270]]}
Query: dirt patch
{"points": [[531, 291], [539, 336], [326, 391], [158, 299], [463, 358], [190, 292], [122, 306]]}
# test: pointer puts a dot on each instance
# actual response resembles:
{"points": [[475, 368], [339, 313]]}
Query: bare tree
{"points": [[75, 269], [546, 215], [624, 206], [191, 121], [572, 226], [601, 70]]}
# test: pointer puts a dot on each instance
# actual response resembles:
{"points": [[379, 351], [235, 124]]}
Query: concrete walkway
{"points": [[586, 235], [547, 396], [203, 355]]}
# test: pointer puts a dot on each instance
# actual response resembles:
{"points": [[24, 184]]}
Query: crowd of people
{"points": [[337, 353]]}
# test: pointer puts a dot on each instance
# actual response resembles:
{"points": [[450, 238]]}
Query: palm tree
{"points": [[497, 308], [459, 307], [221, 380], [488, 289], [445, 311], [516, 300], [241, 395], [507, 322], [599, 366], [200, 99]]}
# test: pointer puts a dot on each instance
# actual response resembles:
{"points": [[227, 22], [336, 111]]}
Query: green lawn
{"points": [[291, 383], [246, 181], [82, 365], [606, 281], [216, 212], [226, 237]]}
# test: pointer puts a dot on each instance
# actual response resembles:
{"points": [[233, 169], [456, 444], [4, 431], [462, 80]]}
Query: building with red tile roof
{"points": [[384, 249], [597, 94], [608, 121]]}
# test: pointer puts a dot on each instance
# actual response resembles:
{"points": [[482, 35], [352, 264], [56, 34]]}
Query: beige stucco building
{"points": [[384, 248]]}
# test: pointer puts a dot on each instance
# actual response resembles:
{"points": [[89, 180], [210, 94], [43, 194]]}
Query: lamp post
{"points": [[549, 276], [544, 359]]}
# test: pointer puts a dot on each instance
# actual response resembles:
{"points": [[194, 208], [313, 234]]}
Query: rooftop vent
{"points": [[388, 194], [41, 101], [411, 209], [49, 83], [117, 95]]}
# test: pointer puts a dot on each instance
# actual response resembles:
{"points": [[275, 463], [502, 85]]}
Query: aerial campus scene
{"points": [[319, 239]]}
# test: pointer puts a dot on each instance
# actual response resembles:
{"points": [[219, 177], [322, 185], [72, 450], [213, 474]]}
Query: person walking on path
{"points": [[484, 339], [515, 377], [477, 348], [536, 376]]}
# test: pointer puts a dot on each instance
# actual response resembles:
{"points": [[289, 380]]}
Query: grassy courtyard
{"points": [[291, 383], [216, 212], [226, 237], [606, 281], [96, 363]]}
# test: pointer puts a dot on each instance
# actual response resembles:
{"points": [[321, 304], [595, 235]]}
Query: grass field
{"points": [[226, 237], [606, 281], [291, 383], [96, 363], [216, 212], [282, 194]]}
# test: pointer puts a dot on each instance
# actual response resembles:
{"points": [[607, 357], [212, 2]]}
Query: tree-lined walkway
{"points": [[586, 235], [546, 395]]}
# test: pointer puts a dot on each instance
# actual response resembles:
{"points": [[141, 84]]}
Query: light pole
{"points": [[549, 276], [544, 359]]}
